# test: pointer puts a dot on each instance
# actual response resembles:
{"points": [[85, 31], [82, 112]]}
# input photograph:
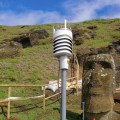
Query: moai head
{"points": [[98, 83]]}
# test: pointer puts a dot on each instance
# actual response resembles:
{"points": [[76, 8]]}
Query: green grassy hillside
{"points": [[36, 64]]}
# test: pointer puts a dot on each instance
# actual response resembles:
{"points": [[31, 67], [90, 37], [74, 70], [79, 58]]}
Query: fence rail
{"points": [[118, 90], [11, 99]]}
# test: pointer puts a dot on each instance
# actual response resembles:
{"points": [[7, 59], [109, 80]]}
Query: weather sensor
{"points": [[63, 50]]}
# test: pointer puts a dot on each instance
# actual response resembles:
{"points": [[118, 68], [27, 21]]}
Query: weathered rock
{"points": [[9, 49], [2, 29], [118, 79], [31, 38], [36, 35], [97, 74], [92, 27], [118, 29], [117, 45], [116, 56], [39, 34], [81, 34], [24, 40], [98, 87], [111, 49], [117, 98]]}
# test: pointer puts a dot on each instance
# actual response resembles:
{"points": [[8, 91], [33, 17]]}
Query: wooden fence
{"points": [[118, 90], [10, 86]]}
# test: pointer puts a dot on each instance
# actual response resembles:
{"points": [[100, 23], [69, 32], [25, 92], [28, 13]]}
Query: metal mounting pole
{"points": [[64, 73], [62, 50], [59, 78], [83, 106]]}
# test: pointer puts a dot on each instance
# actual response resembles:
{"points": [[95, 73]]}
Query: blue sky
{"points": [[30, 12]]}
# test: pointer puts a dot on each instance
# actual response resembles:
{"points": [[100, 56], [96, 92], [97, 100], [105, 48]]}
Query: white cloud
{"points": [[29, 18], [77, 10], [80, 10]]}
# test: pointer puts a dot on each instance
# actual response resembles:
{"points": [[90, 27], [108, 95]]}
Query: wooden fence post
{"points": [[44, 98], [8, 110], [77, 79]]}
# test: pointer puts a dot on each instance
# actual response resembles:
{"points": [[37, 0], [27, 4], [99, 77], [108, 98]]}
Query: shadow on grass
{"points": [[19, 109], [70, 115], [25, 107], [3, 112]]}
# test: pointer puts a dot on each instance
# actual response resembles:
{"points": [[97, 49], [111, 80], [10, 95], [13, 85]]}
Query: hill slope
{"points": [[37, 62], [34, 63]]}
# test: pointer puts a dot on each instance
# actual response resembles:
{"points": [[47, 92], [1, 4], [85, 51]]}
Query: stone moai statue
{"points": [[98, 87]]}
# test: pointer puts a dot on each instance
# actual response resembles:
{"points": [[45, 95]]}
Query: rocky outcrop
{"points": [[86, 52], [11, 48], [36, 35], [116, 56], [111, 49], [93, 27], [82, 34], [31, 38]]}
